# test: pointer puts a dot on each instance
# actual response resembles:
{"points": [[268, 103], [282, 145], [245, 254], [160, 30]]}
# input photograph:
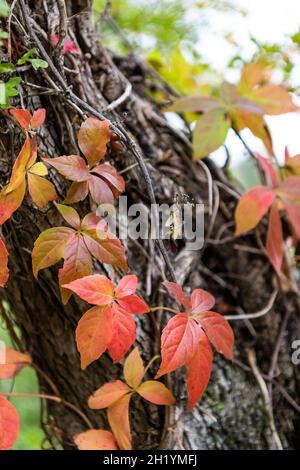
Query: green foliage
{"points": [[35, 62], [10, 89]]}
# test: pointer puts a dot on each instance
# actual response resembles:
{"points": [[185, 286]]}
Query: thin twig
{"points": [[260, 313], [114, 104]]}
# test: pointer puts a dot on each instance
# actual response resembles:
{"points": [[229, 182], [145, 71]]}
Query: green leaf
{"points": [[210, 132], [26, 57], [6, 67], [10, 90], [3, 8], [39, 64]]}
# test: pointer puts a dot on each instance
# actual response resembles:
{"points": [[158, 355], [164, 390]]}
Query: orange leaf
{"points": [[118, 418], [95, 439], [293, 213], [218, 331], [252, 207], [274, 244], [11, 201], [179, 343], [108, 394], [22, 116], [95, 289], [93, 137], [72, 167], [41, 190], [199, 370], [4, 272], [274, 99], [92, 334], [156, 392], [77, 263], [14, 362], [9, 424], [134, 369], [38, 118]]}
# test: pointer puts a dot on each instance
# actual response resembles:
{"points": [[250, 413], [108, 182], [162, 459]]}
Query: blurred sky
{"points": [[268, 21]]}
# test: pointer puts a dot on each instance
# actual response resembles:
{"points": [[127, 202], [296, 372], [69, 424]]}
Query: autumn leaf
{"points": [[4, 271], [68, 45], [118, 418], [134, 370], [77, 246], [156, 393], [28, 122], [210, 132], [9, 424], [108, 394], [274, 243], [14, 361], [198, 371], [93, 137], [117, 309], [251, 208], [95, 439], [115, 396]]}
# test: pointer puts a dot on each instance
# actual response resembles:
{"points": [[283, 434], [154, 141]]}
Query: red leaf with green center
{"points": [[252, 207], [274, 244], [108, 394], [93, 332], [9, 424], [199, 370], [179, 342]]}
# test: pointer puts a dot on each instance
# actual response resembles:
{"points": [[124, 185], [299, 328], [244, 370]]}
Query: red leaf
{"points": [[9, 424], [201, 301], [69, 214], [96, 289], [38, 118], [133, 304], [92, 334], [93, 137], [77, 192], [269, 170], [11, 201], [274, 244], [218, 331], [95, 439], [77, 263], [177, 292], [118, 418], [134, 369], [22, 116], [100, 190], [127, 286], [179, 343], [290, 187], [111, 176], [4, 271], [252, 207], [199, 370], [156, 393], [14, 362], [68, 46], [108, 394], [123, 333], [293, 213], [72, 167]]}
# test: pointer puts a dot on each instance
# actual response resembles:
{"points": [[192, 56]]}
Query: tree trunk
{"points": [[233, 413]]}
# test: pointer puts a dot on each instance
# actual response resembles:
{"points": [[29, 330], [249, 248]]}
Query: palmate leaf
{"points": [[116, 395], [76, 246]]}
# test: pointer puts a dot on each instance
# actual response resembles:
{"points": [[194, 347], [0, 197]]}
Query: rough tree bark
{"points": [[233, 413]]}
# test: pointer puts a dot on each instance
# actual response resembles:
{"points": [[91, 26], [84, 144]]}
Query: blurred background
{"points": [[194, 45]]}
